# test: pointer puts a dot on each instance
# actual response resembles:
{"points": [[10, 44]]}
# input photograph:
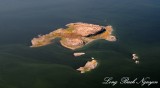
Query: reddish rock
{"points": [[73, 42], [85, 29]]}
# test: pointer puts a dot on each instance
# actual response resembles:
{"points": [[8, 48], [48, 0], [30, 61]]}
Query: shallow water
{"points": [[135, 23]]}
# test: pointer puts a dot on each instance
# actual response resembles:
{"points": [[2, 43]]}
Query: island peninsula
{"points": [[76, 35]]}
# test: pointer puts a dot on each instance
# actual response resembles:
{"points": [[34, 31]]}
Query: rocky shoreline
{"points": [[90, 65], [76, 35]]}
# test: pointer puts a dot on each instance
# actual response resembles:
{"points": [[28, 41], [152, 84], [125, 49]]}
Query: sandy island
{"points": [[76, 35]]}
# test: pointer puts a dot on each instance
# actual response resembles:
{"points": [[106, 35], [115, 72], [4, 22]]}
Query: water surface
{"points": [[135, 23]]}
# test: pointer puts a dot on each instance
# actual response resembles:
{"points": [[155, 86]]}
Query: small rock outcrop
{"points": [[135, 58], [78, 54], [88, 66]]}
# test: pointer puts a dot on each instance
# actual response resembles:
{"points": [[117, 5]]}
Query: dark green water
{"points": [[136, 24]]}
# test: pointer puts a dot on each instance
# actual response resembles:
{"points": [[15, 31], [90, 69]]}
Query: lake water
{"points": [[136, 25]]}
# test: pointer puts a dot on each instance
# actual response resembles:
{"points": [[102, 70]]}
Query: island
{"points": [[78, 54], [88, 66], [76, 35]]}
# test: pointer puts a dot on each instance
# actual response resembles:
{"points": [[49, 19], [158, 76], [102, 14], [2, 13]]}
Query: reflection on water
{"points": [[134, 22]]}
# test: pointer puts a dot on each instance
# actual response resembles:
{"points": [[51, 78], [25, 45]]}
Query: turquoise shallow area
{"points": [[135, 23]]}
